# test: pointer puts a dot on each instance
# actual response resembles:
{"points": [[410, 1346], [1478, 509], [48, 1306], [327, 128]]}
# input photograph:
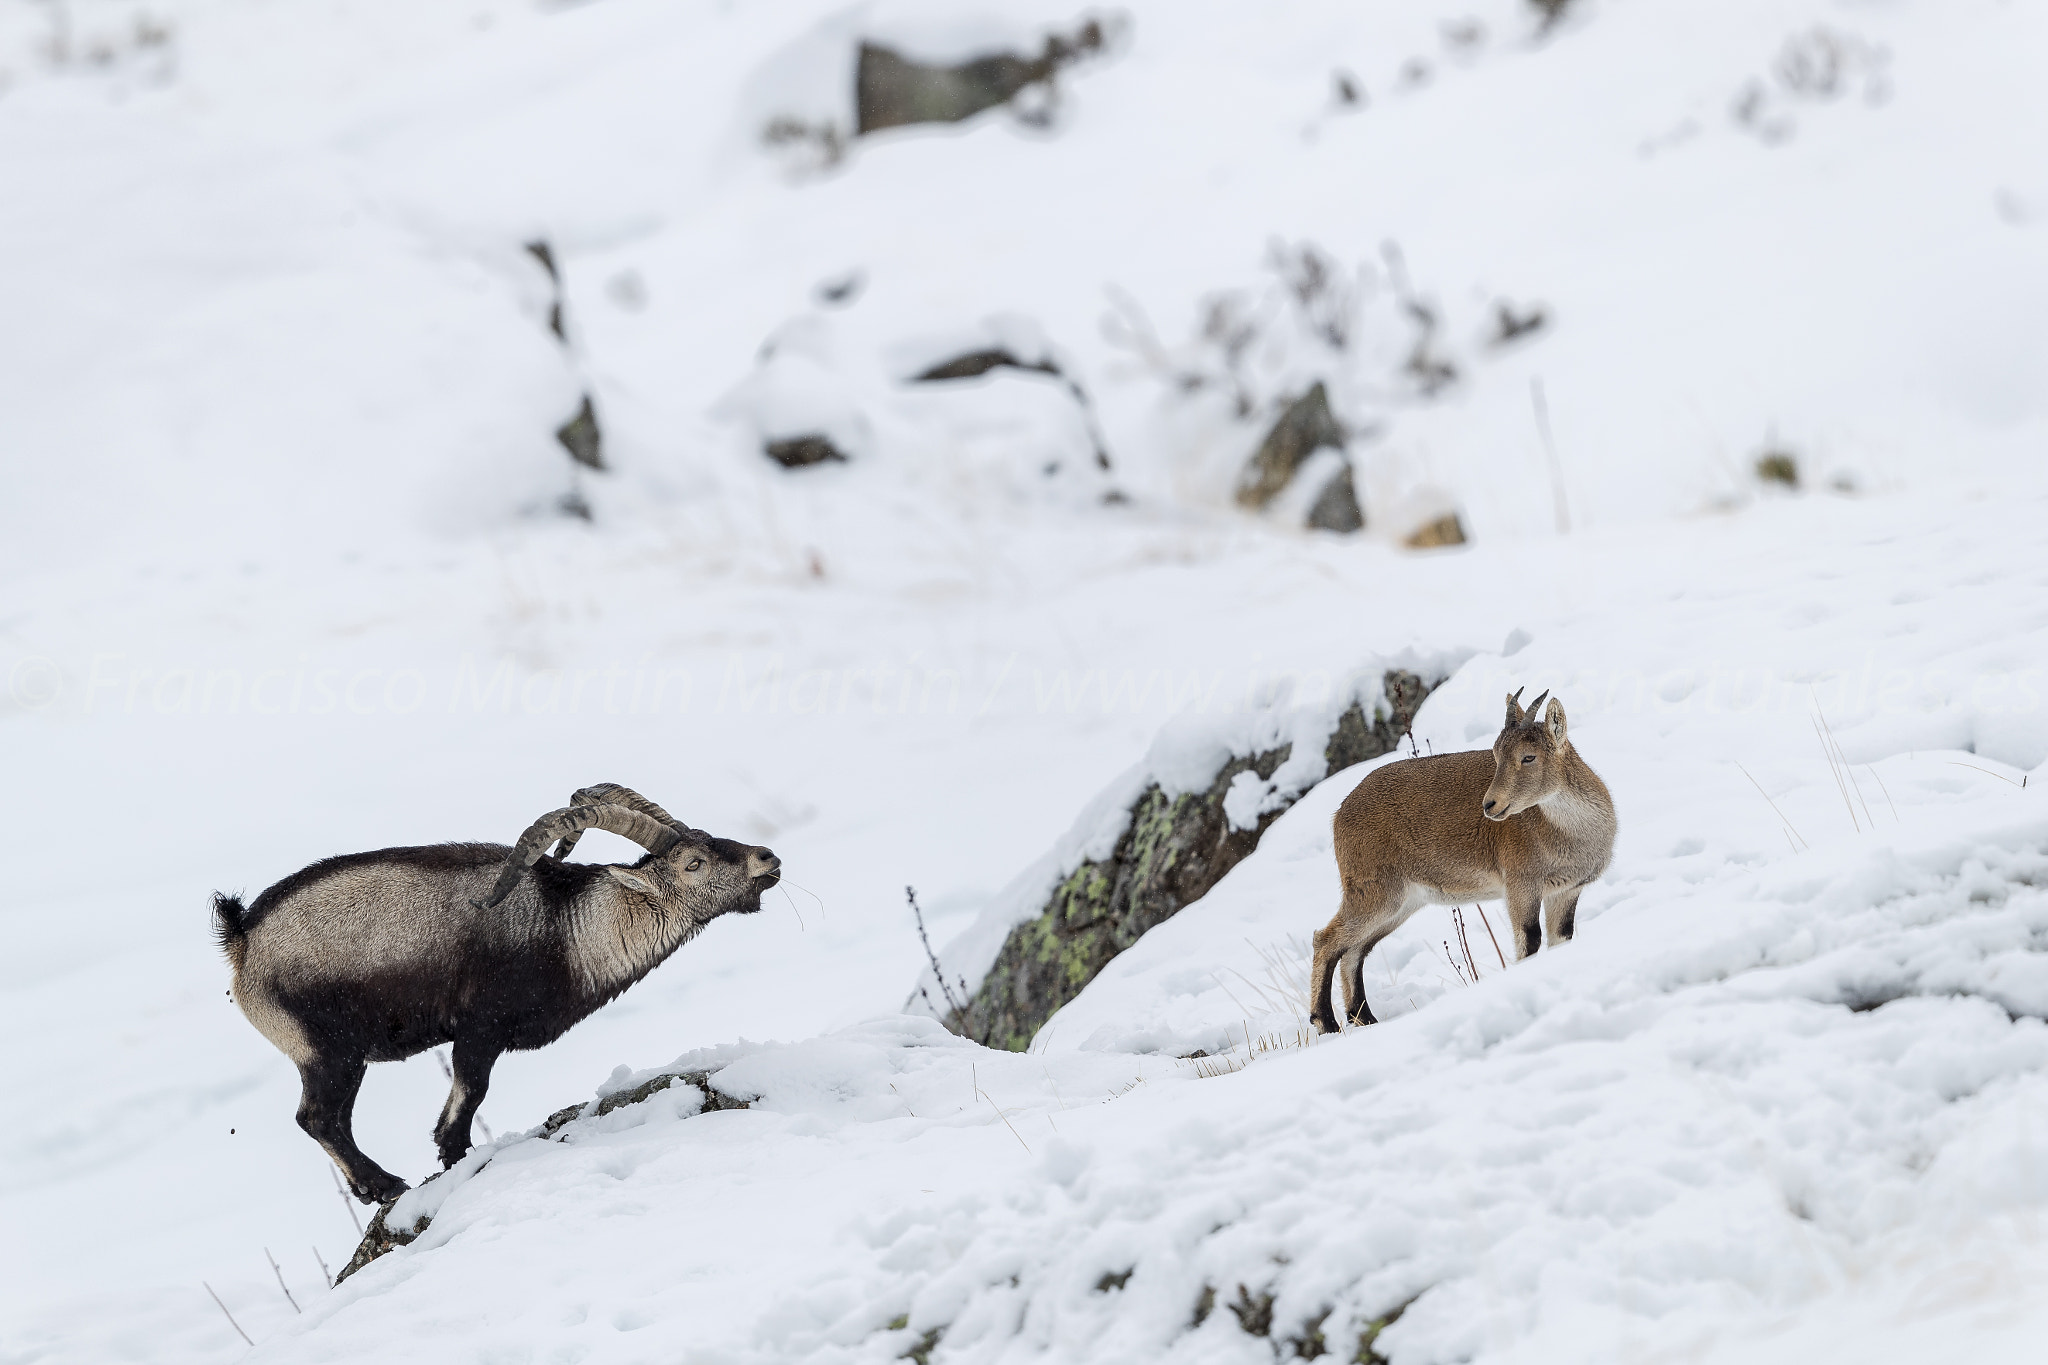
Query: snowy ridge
{"points": [[1185, 757], [1693, 1121], [285, 572]]}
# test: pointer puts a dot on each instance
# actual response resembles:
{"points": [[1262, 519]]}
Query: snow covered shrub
{"points": [[1819, 66], [1326, 356]]}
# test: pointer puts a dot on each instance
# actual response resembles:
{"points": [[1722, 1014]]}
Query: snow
{"points": [[285, 575]]}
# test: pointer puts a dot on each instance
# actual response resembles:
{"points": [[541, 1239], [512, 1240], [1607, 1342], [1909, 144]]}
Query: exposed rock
{"points": [[714, 1100], [1174, 850], [1779, 467], [1445, 530], [1305, 426], [581, 438], [379, 1238], [892, 91], [797, 451], [1336, 507], [545, 254], [974, 364]]}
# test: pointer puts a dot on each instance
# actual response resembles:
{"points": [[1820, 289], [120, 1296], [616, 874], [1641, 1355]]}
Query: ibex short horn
{"points": [[1528, 822]]}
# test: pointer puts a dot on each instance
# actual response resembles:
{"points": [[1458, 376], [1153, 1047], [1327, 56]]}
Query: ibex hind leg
{"points": [[1356, 1011], [327, 1103], [472, 1078], [1369, 913]]}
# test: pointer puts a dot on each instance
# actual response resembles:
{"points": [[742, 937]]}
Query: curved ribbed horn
{"points": [[1535, 711], [612, 794], [1515, 709], [570, 821]]}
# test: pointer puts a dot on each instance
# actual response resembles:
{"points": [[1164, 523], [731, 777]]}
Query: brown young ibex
{"points": [[1529, 822]]}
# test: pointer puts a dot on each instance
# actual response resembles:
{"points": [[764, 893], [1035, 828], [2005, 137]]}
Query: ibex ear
{"points": [[1514, 709], [631, 880], [1553, 721]]}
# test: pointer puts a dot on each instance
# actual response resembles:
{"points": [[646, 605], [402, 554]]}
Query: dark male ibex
{"points": [[372, 957], [1528, 822]]}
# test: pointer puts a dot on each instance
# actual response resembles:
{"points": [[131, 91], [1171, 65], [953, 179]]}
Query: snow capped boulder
{"points": [[803, 409], [1159, 838], [1304, 426], [893, 90]]}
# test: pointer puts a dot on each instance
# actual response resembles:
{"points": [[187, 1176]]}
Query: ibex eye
{"points": [[694, 864], [1528, 758]]}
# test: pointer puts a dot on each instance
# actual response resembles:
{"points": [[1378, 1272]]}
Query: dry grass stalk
{"points": [[976, 1077], [346, 1202], [1789, 830], [224, 1309], [280, 1281]]}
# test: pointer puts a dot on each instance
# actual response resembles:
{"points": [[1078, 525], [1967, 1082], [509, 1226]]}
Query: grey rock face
{"points": [[1336, 507], [799, 451], [892, 91], [581, 437], [1305, 427]]}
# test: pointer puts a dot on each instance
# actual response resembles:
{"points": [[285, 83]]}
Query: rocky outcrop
{"points": [[797, 452], [581, 438], [1447, 529], [974, 364], [892, 91], [1336, 507], [1305, 426], [384, 1236], [1173, 851]]}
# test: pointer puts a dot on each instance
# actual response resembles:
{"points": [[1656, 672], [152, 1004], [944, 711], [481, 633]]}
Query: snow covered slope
{"points": [[285, 571]]}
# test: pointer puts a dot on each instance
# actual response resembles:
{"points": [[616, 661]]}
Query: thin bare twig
{"points": [[1464, 943], [323, 1267], [280, 1281], [1872, 767], [224, 1309], [1489, 933], [959, 1010], [346, 1202]]}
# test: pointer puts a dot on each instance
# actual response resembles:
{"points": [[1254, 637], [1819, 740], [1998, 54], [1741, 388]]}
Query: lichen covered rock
{"points": [[1174, 849]]}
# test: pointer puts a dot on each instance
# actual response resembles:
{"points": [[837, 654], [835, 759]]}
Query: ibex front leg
{"points": [[1525, 913], [1560, 913]]}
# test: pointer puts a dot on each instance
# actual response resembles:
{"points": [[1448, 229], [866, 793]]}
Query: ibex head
{"points": [[707, 875], [1528, 758]]}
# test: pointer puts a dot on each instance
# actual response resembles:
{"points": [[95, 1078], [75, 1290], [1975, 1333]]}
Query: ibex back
{"points": [[1529, 822]]}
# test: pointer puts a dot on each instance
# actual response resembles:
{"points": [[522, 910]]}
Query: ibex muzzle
{"points": [[1529, 823]]}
